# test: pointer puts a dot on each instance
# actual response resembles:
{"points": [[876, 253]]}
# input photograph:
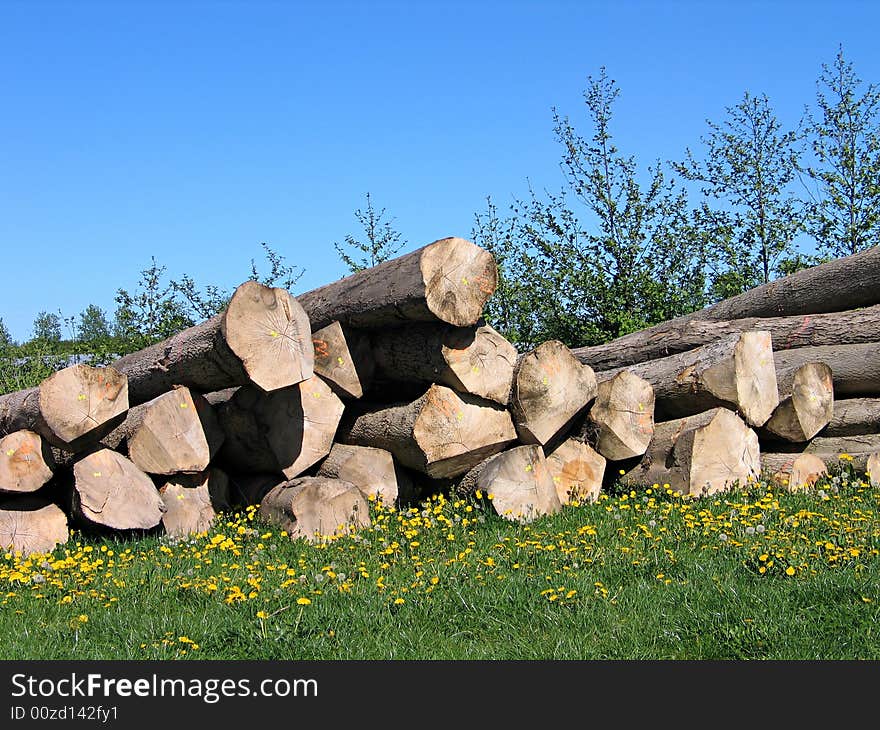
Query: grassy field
{"points": [[754, 573]]}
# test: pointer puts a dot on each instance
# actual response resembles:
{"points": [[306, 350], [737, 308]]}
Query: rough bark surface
{"points": [[737, 372], [442, 433], [551, 387], [109, 491], [808, 406], [262, 337], [848, 327], [72, 408], [26, 462], [314, 508], [577, 471], [518, 483], [854, 416], [620, 423], [475, 360], [449, 281], [193, 502], [343, 359], [855, 369], [29, 525]]}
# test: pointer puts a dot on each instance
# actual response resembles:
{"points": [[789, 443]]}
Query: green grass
{"points": [[749, 574]]}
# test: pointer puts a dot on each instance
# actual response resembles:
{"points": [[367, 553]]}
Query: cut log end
{"points": [[757, 394], [793, 471], [81, 403], [809, 407], [480, 361], [371, 470], [577, 471], [622, 416], [269, 331], [26, 462], [343, 359], [872, 469], [29, 526], [194, 502], [459, 278]]}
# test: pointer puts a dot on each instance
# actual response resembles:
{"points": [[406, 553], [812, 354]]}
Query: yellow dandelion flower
{"points": [[398, 601], [789, 570], [262, 614], [303, 601]]}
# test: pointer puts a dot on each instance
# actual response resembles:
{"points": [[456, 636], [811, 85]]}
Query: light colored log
{"points": [[620, 422], [793, 471], [371, 470], [807, 406], [343, 358], [577, 471], [26, 462], [29, 525], [194, 502]]}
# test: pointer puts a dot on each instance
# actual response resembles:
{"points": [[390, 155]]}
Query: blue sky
{"points": [[193, 131]]}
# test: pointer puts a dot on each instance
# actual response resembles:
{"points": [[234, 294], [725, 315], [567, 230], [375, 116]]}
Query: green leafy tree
{"points": [[93, 325], [843, 213], [640, 261], [6, 341], [380, 243], [47, 328], [749, 164]]}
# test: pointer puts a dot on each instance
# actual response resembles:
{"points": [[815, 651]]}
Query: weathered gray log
{"points": [[793, 471], [577, 471], [72, 408], [285, 431], [854, 326], [343, 359], [551, 388], [834, 450], [314, 508], [262, 337], [30, 525], [853, 416], [449, 281], [855, 369], [371, 470], [517, 482], [807, 406], [110, 492], [193, 502], [475, 360], [736, 372], [620, 422], [443, 433], [699, 455], [26, 462]]}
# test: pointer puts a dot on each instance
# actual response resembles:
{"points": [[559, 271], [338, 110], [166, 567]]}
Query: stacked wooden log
{"points": [[818, 330], [389, 384]]}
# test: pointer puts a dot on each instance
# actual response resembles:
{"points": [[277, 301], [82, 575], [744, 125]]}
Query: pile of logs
{"points": [[389, 384]]}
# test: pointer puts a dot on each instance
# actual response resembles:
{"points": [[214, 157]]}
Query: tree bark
{"points": [[442, 433], [517, 482], [620, 424], [344, 360], [262, 337], [371, 470], [72, 408], [449, 281], [793, 471], [314, 508], [30, 525], [807, 408], [847, 327], [26, 462], [194, 502], [284, 431], [854, 416], [475, 360], [699, 455], [110, 492], [855, 369], [577, 471], [550, 389], [736, 372]]}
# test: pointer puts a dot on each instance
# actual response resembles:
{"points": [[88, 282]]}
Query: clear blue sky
{"points": [[193, 131]]}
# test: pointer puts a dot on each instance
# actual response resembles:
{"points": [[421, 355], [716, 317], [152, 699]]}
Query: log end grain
{"points": [[459, 278]]}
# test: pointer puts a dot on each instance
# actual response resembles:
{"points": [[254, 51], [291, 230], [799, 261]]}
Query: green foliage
{"points": [[748, 165], [380, 243], [844, 210], [47, 328], [93, 325], [641, 262], [6, 340]]}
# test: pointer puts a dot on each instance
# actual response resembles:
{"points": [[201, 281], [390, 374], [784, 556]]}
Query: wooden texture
{"points": [[262, 337], [371, 470], [808, 406], [448, 280], [29, 525], [344, 360], [854, 416], [737, 372], [620, 423], [194, 502], [855, 369], [793, 471], [26, 462], [442, 433], [577, 471]]}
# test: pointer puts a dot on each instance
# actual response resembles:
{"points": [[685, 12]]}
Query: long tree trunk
{"points": [[551, 388], [736, 372], [442, 433], [72, 408], [262, 337], [699, 455], [846, 327], [855, 369], [26, 462], [854, 416], [475, 360], [449, 281]]}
